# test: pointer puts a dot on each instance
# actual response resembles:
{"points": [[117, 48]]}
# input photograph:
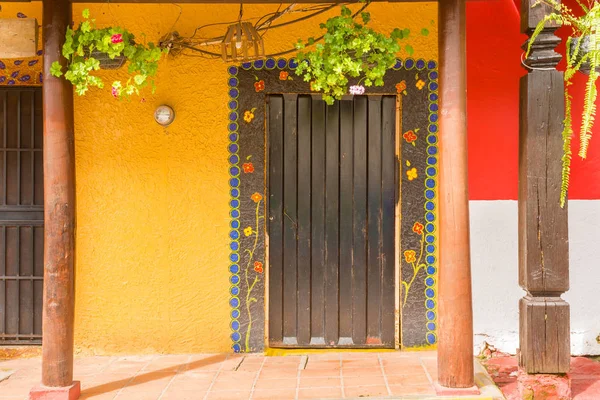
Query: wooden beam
{"points": [[59, 204], [543, 226], [455, 328], [245, 1]]}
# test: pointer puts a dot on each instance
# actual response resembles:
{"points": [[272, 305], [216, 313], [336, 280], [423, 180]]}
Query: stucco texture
{"points": [[152, 203]]}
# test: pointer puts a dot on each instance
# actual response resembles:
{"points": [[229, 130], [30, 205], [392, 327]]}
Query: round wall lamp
{"points": [[164, 115]]}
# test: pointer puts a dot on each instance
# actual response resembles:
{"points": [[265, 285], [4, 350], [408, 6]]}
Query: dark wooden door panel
{"points": [[21, 215], [332, 197]]}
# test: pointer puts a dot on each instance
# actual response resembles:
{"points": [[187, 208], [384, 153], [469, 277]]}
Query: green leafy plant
{"points": [[349, 50], [83, 46], [582, 54]]}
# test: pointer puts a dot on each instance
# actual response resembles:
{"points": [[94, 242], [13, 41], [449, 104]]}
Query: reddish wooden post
{"points": [[59, 214], [543, 225], [455, 329]]}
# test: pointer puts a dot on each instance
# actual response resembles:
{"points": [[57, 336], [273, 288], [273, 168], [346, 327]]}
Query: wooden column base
{"points": [[544, 335], [448, 391], [56, 393]]}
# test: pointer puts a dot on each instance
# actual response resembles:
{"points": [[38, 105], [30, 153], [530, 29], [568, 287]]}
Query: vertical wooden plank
{"points": [[38, 178], [346, 218], [12, 285], [318, 224], [388, 223], [359, 283], [38, 271], [304, 226], [12, 123], [374, 239], [26, 285], [26, 178], [332, 177], [26, 119], [12, 133], [275, 129], [12, 178], [3, 302], [290, 220]]}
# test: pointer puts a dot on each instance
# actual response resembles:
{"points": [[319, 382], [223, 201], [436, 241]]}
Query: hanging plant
{"points": [[583, 55], [89, 49], [349, 50]]}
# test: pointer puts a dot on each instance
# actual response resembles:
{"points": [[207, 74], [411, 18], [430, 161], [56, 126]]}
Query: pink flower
{"points": [[116, 38], [357, 89], [115, 92]]}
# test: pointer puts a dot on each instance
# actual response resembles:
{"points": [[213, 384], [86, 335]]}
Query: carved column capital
{"points": [[543, 54]]}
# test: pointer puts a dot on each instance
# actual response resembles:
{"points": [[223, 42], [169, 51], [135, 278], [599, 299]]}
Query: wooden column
{"points": [[59, 204], [543, 225], [455, 329]]}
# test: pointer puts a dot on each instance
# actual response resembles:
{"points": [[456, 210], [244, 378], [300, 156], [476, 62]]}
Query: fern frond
{"points": [[589, 105], [540, 27], [567, 134]]}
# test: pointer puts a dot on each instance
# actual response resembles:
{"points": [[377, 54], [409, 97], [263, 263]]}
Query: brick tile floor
{"points": [[584, 376], [328, 375]]}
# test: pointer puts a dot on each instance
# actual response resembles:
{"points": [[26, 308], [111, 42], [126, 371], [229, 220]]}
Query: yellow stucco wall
{"points": [[152, 203]]}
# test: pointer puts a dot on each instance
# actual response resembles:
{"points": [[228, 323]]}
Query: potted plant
{"points": [[583, 55], [349, 50], [88, 49]]}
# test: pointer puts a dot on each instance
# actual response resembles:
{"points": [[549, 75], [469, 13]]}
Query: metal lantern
{"points": [[242, 43]]}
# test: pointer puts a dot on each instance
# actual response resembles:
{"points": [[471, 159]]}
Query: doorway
{"points": [[332, 196], [21, 216]]}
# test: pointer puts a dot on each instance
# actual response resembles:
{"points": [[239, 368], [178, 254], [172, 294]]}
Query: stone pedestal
{"points": [[56, 393]]}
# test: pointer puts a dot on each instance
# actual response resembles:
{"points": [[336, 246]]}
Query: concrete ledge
{"points": [[446, 391], [56, 393]]}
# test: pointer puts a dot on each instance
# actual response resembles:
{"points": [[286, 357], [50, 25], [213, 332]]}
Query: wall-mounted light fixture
{"points": [[164, 115]]}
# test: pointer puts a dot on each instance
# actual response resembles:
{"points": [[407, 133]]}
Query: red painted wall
{"points": [[494, 68]]}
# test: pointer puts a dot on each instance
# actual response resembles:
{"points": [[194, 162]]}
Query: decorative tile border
{"points": [[248, 86]]}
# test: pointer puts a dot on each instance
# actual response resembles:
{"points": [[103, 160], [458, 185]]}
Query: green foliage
{"points": [[583, 27], [349, 50], [113, 41]]}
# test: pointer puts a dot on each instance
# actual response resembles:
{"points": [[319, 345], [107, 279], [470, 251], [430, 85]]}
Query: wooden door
{"points": [[21, 215], [332, 197]]}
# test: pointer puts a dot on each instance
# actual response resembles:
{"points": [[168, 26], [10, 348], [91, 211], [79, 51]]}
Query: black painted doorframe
{"points": [[397, 222]]}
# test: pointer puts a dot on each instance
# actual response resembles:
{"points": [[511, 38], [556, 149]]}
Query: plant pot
{"points": [[108, 63], [583, 50], [105, 61]]}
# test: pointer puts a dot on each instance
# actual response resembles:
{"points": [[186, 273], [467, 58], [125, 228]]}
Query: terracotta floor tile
{"points": [[359, 355], [404, 390], [138, 395], [366, 391], [271, 384], [98, 395], [319, 382], [370, 380], [319, 373], [282, 360], [325, 356], [186, 384], [279, 394], [183, 395], [361, 363], [229, 395], [351, 372], [322, 364], [232, 383], [420, 379], [320, 393], [278, 374]]}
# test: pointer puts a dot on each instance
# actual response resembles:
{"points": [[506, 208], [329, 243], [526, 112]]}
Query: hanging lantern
{"points": [[242, 43]]}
